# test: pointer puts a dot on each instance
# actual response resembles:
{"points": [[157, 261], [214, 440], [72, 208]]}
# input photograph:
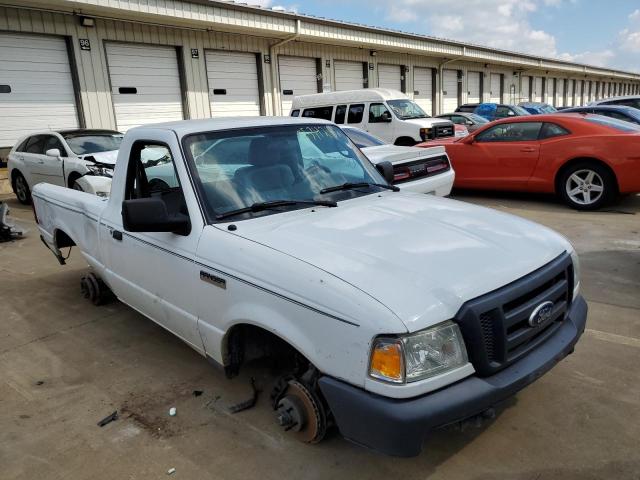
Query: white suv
{"points": [[63, 158]]}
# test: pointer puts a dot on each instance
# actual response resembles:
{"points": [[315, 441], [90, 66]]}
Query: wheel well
{"points": [[62, 240], [73, 176], [573, 161], [244, 343], [14, 174], [405, 141]]}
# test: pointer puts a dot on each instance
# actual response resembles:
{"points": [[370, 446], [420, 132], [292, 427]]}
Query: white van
{"points": [[387, 114]]}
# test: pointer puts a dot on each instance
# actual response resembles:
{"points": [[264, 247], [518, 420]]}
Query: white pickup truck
{"points": [[396, 312]]}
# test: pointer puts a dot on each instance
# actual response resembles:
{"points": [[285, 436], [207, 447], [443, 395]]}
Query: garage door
{"points": [[145, 84], [578, 92], [524, 88], [473, 87], [423, 88], [233, 83], [297, 77], [389, 76], [548, 90], [36, 87], [570, 93], [494, 92], [449, 91], [348, 75], [537, 89], [560, 88]]}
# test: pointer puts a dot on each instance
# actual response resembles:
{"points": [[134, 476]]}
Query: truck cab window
{"points": [[152, 173], [378, 113]]}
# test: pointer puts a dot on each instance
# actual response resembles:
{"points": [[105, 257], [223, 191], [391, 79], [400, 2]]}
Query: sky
{"points": [[596, 32]]}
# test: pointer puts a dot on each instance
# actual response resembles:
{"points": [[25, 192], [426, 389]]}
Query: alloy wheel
{"points": [[584, 187]]}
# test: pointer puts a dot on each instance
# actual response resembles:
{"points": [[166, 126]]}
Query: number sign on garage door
{"points": [[473, 87], [145, 84], [449, 91], [423, 88], [389, 76], [234, 89], [349, 75], [36, 86], [495, 93], [297, 77]]}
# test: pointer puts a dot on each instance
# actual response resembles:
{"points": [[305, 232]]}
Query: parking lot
{"points": [[65, 364]]}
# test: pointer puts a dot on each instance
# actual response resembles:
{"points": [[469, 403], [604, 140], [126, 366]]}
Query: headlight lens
{"points": [[414, 357], [100, 170], [576, 273]]}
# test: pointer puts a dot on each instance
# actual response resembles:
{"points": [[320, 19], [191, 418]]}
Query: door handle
{"points": [[528, 149], [117, 235]]}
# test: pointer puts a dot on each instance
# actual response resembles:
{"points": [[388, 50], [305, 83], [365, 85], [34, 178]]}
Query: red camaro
{"points": [[586, 159]]}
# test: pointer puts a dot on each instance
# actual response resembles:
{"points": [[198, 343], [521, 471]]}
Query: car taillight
{"points": [[402, 173]]}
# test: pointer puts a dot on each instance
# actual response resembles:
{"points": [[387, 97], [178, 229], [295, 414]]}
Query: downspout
{"points": [[274, 66], [441, 77]]}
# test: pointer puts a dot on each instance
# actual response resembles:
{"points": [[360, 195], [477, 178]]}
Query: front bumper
{"points": [[399, 426]]}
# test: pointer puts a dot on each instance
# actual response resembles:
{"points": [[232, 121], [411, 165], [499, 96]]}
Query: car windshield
{"points": [[477, 119], [406, 109], [241, 168], [361, 138], [520, 110], [93, 143], [620, 125]]}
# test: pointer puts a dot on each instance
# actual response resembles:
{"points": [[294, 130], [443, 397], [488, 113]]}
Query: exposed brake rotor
{"points": [[301, 412]]}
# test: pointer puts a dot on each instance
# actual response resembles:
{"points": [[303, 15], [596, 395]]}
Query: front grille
{"points": [[440, 131], [496, 326]]}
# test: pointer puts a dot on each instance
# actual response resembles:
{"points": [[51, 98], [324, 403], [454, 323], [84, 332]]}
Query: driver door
{"points": [[380, 122], [503, 156]]}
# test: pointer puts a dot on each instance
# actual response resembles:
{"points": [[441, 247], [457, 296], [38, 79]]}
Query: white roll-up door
{"points": [[233, 83], [570, 102], [145, 84], [348, 75], [36, 86], [389, 76], [524, 89], [423, 88], [449, 91], [560, 88], [297, 77], [537, 89], [473, 87], [548, 90], [494, 92], [579, 92]]}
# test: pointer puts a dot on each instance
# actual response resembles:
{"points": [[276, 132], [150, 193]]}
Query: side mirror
{"points": [[150, 215], [386, 169], [53, 152], [468, 140]]}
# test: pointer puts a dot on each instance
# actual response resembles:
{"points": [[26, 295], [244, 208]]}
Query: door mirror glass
{"points": [[53, 152], [151, 215], [386, 169]]}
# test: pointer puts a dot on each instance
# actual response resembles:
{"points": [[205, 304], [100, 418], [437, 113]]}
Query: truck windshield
{"points": [[93, 143], [237, 169], [406, 109]]}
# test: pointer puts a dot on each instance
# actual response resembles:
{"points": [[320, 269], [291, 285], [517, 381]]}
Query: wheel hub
{"points": [[301, 412]]}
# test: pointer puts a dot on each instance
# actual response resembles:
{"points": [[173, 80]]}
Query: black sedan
{"points": [[628, 114]]}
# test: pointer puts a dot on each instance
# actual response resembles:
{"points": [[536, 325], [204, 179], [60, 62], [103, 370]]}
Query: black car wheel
{"points": [[587, 186]]}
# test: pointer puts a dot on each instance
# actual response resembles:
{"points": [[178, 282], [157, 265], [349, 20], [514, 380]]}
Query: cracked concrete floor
{"points": [[65, 364]]}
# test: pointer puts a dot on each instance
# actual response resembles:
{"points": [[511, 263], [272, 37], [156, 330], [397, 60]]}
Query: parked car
{"points": [[627, 101], [414, 169], [619, 112], [538, 108], [586, 159], [63, 158], [467, 108], [495, 111], [392, 313], [469, 120], [387, 114]]}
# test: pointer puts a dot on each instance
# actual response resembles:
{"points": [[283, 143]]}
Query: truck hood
{"points": [[108, 158], [421, 256], [427, 122], [396, 154]]}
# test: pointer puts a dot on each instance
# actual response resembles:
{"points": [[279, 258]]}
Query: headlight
{"points": [[576, 273], [414, 357], [100, 170], [425, 133]]}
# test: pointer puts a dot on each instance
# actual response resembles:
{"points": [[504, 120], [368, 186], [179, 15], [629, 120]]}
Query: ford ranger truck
{"points": [[395, 312]]}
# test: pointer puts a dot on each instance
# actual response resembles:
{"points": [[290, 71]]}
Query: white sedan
{"points": [[82, 159], [415, 169]]}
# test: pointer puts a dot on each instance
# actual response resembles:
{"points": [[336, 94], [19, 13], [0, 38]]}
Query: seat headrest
{"points": [[263, 152]]}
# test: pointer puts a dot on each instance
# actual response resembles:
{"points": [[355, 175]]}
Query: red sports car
{"points": [[586, 159]]}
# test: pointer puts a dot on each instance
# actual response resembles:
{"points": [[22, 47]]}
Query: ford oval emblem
{"points": [[541, 314]]}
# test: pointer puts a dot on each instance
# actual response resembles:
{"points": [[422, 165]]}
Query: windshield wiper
{"points": [[351, 186], [260, 206]]}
